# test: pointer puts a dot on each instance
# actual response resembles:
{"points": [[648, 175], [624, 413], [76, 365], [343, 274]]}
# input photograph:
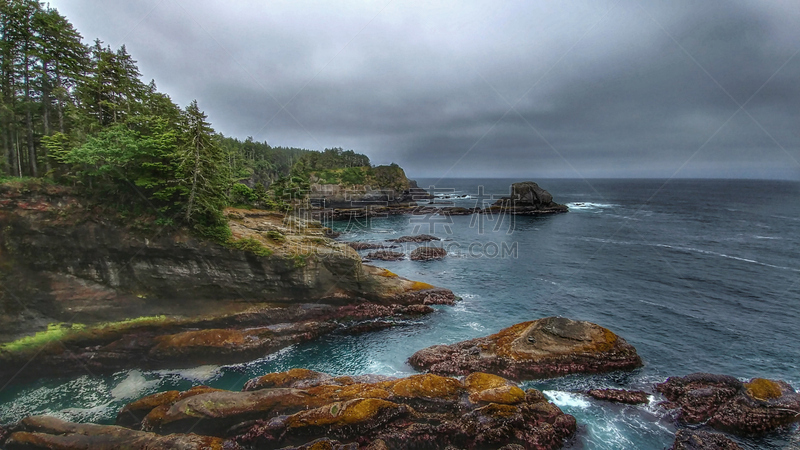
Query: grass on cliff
{"points": [[250, 245], [54, 332], [61, 331]]}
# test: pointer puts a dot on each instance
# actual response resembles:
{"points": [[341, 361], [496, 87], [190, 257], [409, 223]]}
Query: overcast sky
{"points": [[596, 88]]}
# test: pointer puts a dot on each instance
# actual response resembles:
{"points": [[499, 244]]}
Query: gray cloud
{"points": [[600, 88]]}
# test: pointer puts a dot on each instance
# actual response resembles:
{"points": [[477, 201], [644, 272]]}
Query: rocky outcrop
{"points": [[300, 408], [156, 298], [527, 198], [43, 432], [416, 239], [620, 396], [544, 348], [380, 186], [727, 404], [368, 246], [386, 255], [703, 440], [428, 253]]}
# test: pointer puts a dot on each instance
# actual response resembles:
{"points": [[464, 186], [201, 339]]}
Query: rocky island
{"points": [[544, 348]]}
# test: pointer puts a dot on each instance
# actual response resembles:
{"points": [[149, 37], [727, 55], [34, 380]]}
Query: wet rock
{"points": [[417, 238], [702, 440], [368, 245], [428, 253], [727, 404], [132, 414], [305, 409], [329, 233], [457, 211], [620, 396], [386, 255], [324, 444], [43, 432], [544, 348]]}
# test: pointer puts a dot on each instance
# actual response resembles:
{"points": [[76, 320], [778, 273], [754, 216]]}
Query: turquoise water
{"points": [[699, 275]]}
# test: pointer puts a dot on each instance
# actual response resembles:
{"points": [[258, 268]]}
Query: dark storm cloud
{"points": [[601, 88]]}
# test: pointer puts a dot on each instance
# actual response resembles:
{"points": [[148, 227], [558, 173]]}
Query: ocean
{"points": [[698, 275]]}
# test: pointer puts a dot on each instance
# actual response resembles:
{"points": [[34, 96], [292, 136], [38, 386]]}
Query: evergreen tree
{"points": [[204, 173]]}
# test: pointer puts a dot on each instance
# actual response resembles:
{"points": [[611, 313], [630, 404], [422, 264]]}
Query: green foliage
{"points": [[250, 245], [243, 195], [54, 332], [276, 236]]}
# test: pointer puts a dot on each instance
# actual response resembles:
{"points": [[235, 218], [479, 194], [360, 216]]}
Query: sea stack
{"points": [[528, 198]]}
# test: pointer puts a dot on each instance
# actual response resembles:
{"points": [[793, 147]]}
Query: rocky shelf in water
{"points": [[544, 348], [304, 409], [526, 198]]}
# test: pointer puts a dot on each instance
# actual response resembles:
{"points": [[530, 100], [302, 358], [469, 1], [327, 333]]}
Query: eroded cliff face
{"points": [[62, 260]]}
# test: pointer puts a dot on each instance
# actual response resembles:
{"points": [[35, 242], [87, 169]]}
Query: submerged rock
{"points": [[544, 348], [619, 396], [428, 253], [305, 409], [727, 404], [703, 440]]}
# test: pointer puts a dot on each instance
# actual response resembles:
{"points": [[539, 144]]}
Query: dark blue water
{"points": [[699, 275]]}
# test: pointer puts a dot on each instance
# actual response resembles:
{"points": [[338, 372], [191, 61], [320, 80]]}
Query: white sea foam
{"points": [[199, 374], [476, 326], [132, 386], [567, 399], [590, 206]]}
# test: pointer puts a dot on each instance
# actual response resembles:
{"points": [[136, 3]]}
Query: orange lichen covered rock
{"points": [[763, 389], [420, 411], [725, 403], [339, 414], [43, 432], [508, 395], [479, 381], [543, 348], [132, 414], [428, 386], [290, 378]]}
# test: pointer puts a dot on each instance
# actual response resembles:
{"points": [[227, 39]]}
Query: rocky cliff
{"points": [[380, 186], [64, 262]]}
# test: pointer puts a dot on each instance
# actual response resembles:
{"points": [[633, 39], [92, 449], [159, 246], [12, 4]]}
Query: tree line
{"points": [[80, 115]]}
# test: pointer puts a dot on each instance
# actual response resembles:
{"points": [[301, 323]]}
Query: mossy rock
{"points": [[428, 386], [763, 389]]}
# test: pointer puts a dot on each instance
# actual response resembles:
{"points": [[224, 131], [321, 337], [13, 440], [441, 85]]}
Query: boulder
{"points": [[305, 409], [428, 253], [702, 440], [386, 255], [543, 348], [619, 396], [725, 403]]}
